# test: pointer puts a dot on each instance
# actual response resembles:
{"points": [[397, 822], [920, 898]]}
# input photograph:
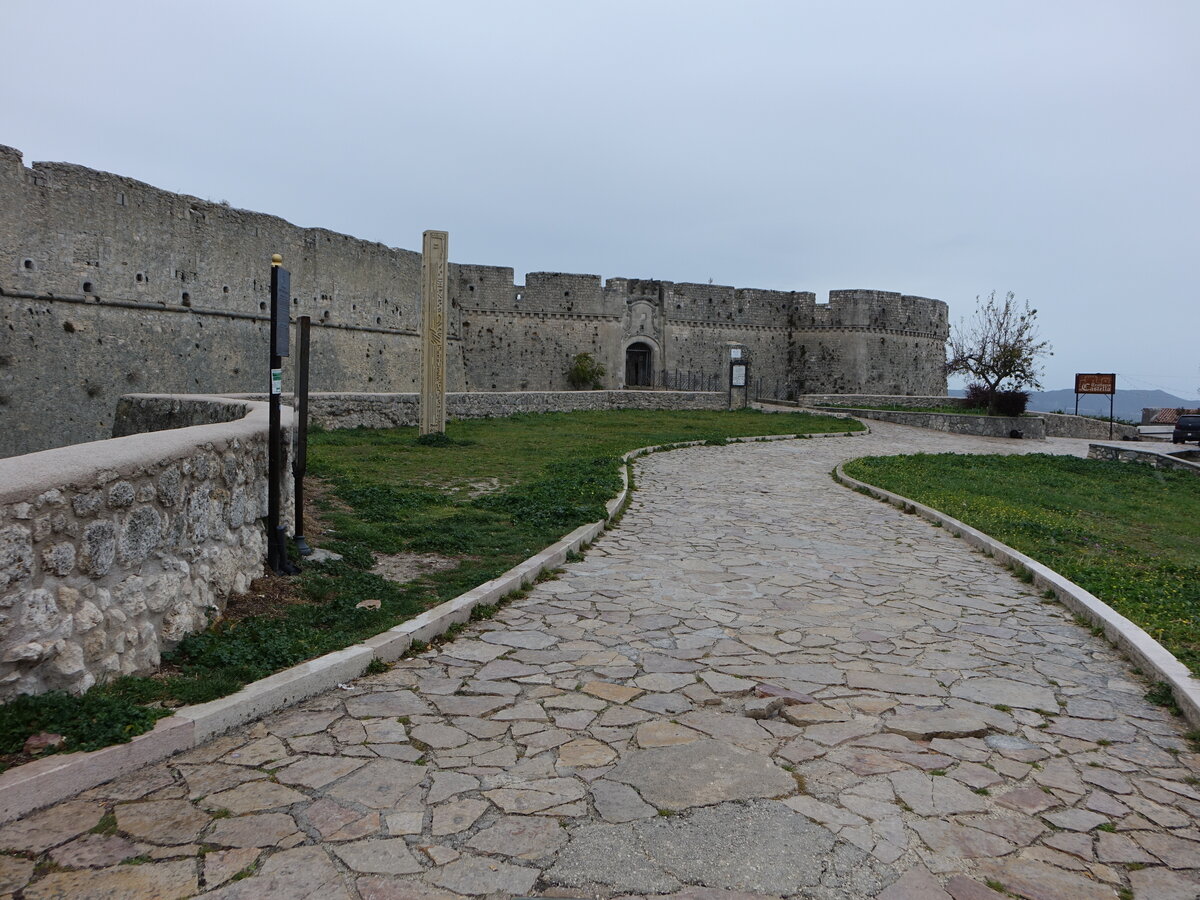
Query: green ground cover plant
{"points": [[1126, 532], [487, 495]]}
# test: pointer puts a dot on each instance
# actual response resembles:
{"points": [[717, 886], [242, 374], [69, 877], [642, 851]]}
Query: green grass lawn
{"points": [[493, 493], [1126, 532]]}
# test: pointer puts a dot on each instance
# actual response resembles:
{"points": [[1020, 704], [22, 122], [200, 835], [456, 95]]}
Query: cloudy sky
{"points": [[945, 149]]}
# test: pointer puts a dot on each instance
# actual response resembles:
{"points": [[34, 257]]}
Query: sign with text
{"points": [[739, 375], [1096, 383], [281, 290]]}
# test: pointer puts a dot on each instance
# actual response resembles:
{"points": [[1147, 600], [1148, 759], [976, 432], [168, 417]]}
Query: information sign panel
{"points": [[281, 290], [1096, 383], [739, 375]]}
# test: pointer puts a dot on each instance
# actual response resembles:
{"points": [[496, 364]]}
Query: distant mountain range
{"points": [[1126, 404]]}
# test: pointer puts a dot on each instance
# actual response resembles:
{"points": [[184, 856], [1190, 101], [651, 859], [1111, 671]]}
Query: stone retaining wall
{"points": [[1157, 458], [1060, 425], [334, 411], [112, 551], [876, 400], [1031, 428]]}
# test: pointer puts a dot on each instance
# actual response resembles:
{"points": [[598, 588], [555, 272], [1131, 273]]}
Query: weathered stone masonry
{"points": [[110, 286], [111, 552]]}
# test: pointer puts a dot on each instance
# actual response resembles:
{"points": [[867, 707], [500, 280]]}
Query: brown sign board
{"points": [[1105, 383]]}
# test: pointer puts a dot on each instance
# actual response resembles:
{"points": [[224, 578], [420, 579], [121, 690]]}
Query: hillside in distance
{"points": [[1126, 404]]}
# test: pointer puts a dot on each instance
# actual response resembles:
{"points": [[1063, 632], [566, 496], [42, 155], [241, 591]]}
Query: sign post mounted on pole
{"points": [[1097, 383], [281, 290]]}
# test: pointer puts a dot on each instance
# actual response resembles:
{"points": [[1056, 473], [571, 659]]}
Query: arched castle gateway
{"points": [[110, 286]]}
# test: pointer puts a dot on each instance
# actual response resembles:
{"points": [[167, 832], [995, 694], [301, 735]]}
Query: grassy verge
{"points": [[490, 494], [1125, 532]]}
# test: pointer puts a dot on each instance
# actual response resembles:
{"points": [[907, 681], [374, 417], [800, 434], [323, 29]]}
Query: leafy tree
{"points": [[585, 373], [1000, 346]]}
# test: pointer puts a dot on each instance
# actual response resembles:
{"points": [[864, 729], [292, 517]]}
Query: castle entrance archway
{"points": [[639, 361]]}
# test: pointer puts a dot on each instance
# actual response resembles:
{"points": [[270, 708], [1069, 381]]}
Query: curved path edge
{"points": [[58, 777], [1153, 658]]}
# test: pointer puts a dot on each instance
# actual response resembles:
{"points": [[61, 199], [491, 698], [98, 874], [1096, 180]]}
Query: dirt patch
{"points": [[319, 495], [482, 487], [269, 596], [403, 567]]}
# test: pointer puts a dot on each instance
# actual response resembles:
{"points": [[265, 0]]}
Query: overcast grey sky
{"points": [[937, 148]]}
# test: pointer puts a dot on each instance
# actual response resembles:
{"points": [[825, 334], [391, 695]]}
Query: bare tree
{"points": [[1000, 346]]}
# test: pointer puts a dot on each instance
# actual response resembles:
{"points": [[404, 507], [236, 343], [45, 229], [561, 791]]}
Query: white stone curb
{"points": [[1145, 652], [58, 777]]}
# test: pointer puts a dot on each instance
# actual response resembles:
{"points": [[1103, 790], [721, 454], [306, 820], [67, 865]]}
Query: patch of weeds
{"points": [[1160, 694], [982, 791], [937, 771], [1104, 742], [106, 826], [221, 813], [904, 806], [1107, 826], [1046, 712], [1125, 893], [377, 667], [788, 767], [139, 860], [404, 720], [666, 813], [574, 556], [801, 784], [1135, 866], [417, 647], [548, 575], [245, 873], [1193, 738], [996, 885], [484, 611], [1023, 574], [1003, 707]]}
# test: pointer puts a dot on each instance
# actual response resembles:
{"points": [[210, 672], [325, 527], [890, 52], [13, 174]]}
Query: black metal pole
{"points": [[300, 462], [1111, 397], [276, 537]]}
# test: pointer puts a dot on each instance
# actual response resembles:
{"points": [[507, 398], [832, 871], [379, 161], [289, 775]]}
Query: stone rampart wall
{"points": [[877, 400], [109, 285], [112, 551]]}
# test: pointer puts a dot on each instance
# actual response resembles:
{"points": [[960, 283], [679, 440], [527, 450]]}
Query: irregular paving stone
{"points": [[619, 803], [955, 840], [221, 865], [377, 887], [1038, 881], [447, 784], [259, 830], [451, 818], [479, 875], [379, 784], [440, 736], [305, 873], [823, 813], [42, 830], [896, 684], [1163, 884], [1005, 692], [530, 640], [735, 729], [664, 734], [1175, 852], [1074, 819], [915, 884], [386, 704], [701, 773], [91, 851], [149, 881], [1117, 848], [938, 724], [14, 873], [385, 857], [585, 752], [162, 821], [470, 706], [316, 772], [932, 796], [521, 837], [962, 888], [252, 797], [614, 693]]}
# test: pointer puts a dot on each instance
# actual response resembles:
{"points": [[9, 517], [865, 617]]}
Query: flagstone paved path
{"points": [[761, 684]]}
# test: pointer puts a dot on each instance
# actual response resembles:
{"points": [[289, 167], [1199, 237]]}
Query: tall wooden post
{"points": [[434, 320]]}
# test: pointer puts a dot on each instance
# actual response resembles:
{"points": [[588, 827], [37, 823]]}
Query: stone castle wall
{"points": [[109, 286]]}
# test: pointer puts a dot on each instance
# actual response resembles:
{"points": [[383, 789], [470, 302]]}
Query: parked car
{"points": [[1186, 429]]}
